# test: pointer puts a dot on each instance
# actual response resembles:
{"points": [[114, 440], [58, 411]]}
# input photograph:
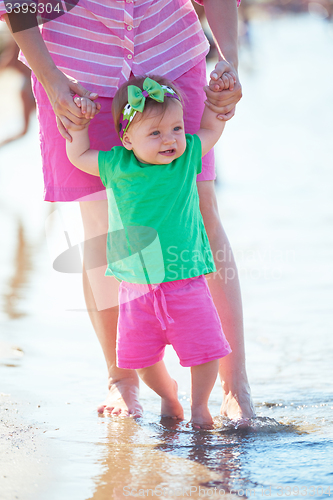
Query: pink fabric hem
{"points": [[195, 361], [186, 364], [141, 364], [53, 194]]}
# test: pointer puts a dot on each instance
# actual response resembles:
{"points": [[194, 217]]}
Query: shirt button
{"points": [[129, 28], [129, 56]]}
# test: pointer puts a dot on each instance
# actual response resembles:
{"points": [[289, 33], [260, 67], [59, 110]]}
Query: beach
{"points": [[274, 188]]}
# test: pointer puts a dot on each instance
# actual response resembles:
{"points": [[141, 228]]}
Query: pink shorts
{"points": [[64, 182], [181, 313]]}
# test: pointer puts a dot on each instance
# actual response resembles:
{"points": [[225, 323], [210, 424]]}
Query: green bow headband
{"points": [[137, 99]]}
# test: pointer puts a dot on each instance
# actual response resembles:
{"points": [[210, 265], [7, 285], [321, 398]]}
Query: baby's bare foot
{"points": [[201, 417], [171, 407], [122, 400]]}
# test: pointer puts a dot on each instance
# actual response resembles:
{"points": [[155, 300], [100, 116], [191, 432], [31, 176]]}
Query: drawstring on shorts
{"points": [[164, 307]]}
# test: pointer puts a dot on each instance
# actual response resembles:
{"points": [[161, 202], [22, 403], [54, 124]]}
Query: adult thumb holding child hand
{"points": [[61, 90], [223, 92]]}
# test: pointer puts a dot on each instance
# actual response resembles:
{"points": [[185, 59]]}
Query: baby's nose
{"points": [[169, 139]]}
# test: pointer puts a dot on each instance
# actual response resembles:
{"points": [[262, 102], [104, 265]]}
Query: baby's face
{"points": [[155, 138]]}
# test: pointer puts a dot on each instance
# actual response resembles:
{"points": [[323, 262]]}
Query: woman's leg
{"points": [[225, 289], [101, 294]]}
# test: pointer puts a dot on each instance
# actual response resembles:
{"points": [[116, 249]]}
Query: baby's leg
{"points": [[158, 379], [203, 380]]}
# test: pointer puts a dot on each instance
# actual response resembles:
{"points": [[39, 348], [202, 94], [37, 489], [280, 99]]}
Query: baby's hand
{"points": [[88, 108], [226, 81]]}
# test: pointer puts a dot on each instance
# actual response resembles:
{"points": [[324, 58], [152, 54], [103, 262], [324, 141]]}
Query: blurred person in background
{"points": [[9, 59], [102, 45]]}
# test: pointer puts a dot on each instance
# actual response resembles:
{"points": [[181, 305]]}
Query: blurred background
{"points": [[274, 186]]}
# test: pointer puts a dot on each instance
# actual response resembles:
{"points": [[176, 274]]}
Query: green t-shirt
{"points": [[156, 232]]}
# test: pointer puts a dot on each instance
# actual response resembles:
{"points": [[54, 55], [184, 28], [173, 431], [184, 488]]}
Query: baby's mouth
{"points": [[168, 152]]}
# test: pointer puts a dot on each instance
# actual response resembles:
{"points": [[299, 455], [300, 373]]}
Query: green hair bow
{"points": [[137, 99]]}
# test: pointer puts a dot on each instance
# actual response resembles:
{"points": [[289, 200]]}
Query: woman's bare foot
{"points": [[237, 405], [201, 417], [122, 400], [171, 407]]}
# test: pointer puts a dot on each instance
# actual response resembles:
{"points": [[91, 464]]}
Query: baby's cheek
{"points": [[183, 147]]}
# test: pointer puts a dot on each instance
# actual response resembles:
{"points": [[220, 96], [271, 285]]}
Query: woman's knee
{"points": [[94, 218]]}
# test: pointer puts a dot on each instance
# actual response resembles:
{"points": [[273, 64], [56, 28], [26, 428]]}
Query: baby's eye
{"points": [[176, 129], [156, 132]]}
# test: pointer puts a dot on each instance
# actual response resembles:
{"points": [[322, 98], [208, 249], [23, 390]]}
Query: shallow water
{"points": [[275, 196]]}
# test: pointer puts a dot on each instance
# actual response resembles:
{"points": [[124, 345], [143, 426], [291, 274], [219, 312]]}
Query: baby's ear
{"points": [[126, 142]]}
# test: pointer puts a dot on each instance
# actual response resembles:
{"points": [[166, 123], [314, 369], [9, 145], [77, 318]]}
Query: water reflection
{"points": [[153, 457], [225, 455], [22, 267], [141, 456]]}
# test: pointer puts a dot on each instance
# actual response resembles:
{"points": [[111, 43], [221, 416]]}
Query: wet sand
{"points": [[274, 191], [23, 463]]}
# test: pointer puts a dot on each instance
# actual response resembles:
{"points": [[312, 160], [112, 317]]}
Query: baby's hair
{"points": [[121, 98]]}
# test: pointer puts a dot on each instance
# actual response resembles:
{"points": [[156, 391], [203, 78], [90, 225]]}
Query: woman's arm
{"points": [[60, 88], [223, 20]]}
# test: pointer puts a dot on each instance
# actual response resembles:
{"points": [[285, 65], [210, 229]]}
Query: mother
{"points": [[101, 45]]}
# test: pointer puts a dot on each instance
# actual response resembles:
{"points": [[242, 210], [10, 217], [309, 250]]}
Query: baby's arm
{"points": [[210, 131], [78, 151]]}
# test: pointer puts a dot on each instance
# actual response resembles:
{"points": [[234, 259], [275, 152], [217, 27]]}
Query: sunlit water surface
{"points": [[275, 193]]}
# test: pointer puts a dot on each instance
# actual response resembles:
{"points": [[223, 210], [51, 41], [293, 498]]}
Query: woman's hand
{"points": [[223, 102], [61, 89]]}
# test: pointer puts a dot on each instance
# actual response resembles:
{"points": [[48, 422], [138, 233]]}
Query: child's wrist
{"points": [[82, 129]]}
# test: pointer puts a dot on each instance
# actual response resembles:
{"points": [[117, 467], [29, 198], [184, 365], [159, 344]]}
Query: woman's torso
{"points": [[100, 45]]}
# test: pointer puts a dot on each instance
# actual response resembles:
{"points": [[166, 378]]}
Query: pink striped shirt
{"points": [[100, 43]]}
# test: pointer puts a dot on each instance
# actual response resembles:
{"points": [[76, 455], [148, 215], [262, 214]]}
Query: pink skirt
{"points": [[181, 313], [64, 182]]}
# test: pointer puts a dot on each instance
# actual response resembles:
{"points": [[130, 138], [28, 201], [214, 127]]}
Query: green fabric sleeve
{"points": [[104, 165], [197, 152]]}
